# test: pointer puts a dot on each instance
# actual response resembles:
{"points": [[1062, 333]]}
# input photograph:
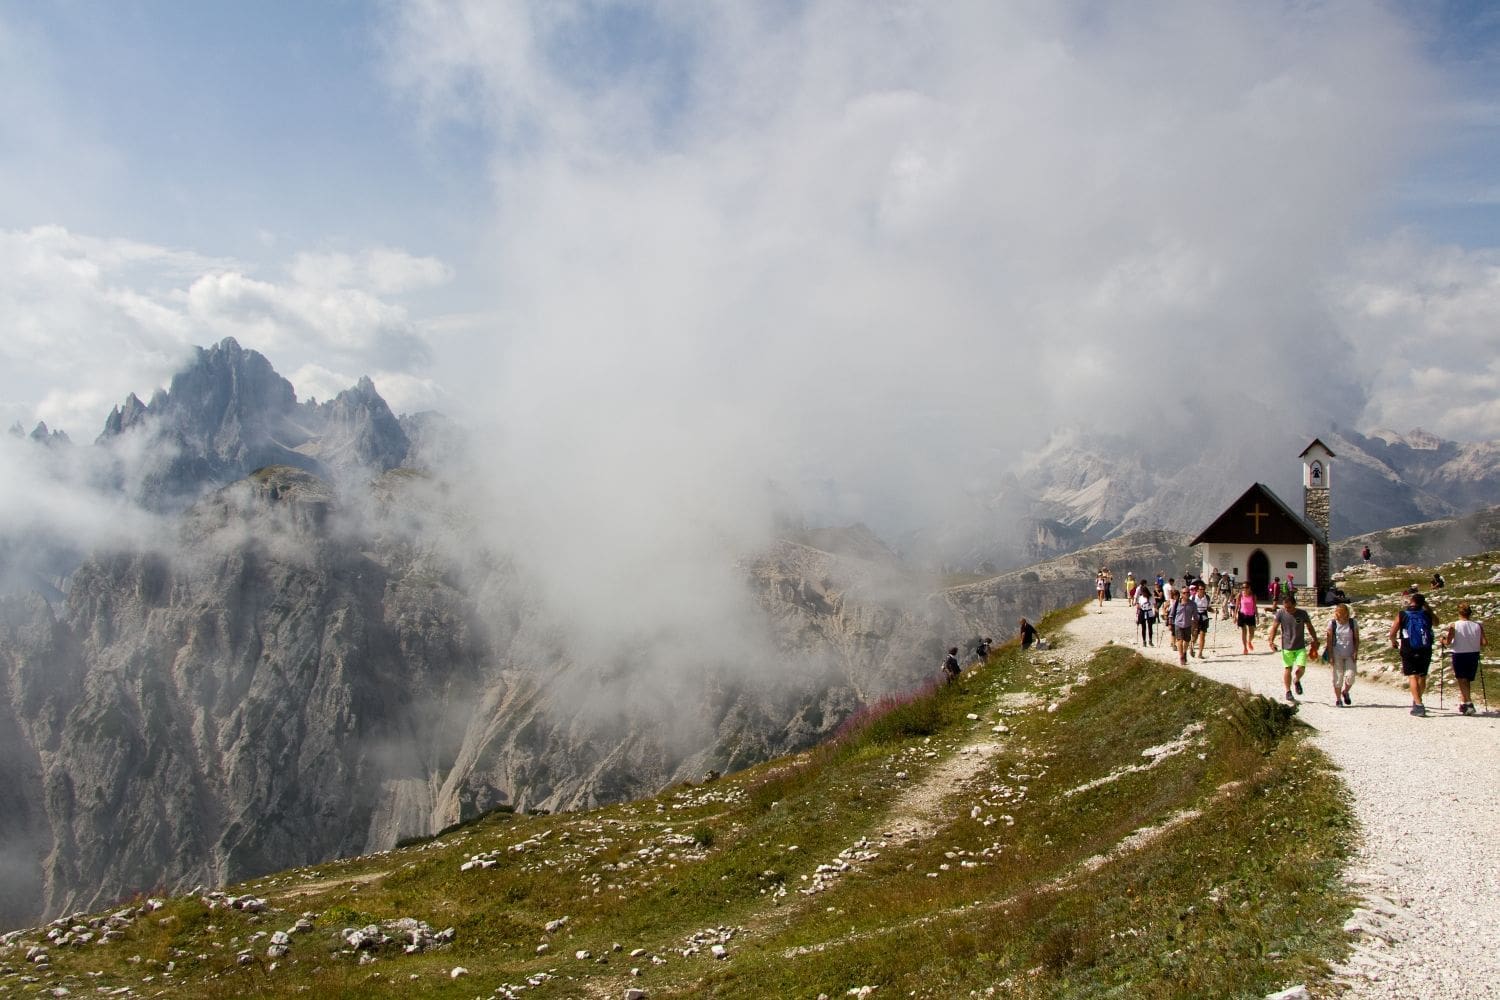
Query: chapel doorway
{"points": [[1258, 575]]}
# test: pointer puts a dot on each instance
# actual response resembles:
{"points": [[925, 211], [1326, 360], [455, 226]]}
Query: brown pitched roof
{"points": [[1260, 516]]}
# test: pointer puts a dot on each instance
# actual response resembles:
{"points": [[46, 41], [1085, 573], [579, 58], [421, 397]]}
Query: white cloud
{"points": [[1428, 320], [402, 392], [91, 319], [381, 270]]}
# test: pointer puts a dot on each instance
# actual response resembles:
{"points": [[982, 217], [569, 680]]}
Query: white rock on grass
{"points": [[1298, 992]]}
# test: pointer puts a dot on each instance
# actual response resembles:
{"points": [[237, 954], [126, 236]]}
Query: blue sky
{"points": [[628, 201]]}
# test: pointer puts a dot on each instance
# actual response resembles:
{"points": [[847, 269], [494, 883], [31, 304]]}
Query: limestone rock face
{"points": [[290, 685]]}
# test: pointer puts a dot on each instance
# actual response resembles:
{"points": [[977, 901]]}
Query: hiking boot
{"points": [[1346, 699], [1290, 698], [1467, 708], [1419, 710], [1297, 686]]}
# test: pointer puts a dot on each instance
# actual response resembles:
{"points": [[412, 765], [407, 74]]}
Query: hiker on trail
{"points": [[1437, 581], [1145, 613], [1342, 643], [1411, 633], [1225, 593], [1169, 590], [1298, 641], [1109, 582], [1291, 585], [1465, 638], [1028, 634], [950, 664], [1099, 587], [1276, 591], [1183, 613], [1366, 555], [982, 651], [1205, 614], [1246, 617], [1130, 585]]}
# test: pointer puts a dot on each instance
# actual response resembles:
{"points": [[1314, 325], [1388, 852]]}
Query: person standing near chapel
{"points": [[1411, 633], [1465, 638], [1299, 639]]}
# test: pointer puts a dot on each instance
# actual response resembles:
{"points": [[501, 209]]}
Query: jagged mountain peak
{"points": [[229, 412]]}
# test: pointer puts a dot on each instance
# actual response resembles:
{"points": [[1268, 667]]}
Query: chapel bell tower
{"points": [[1316, 475]]}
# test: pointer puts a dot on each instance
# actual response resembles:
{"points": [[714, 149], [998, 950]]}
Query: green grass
{"points": [[999, 891]]}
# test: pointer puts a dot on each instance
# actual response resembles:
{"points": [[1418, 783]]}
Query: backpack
{"points": [[1418, 630]]}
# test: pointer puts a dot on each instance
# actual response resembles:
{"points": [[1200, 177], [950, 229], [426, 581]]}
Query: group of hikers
{"points": [[951, 666], [1187, 611]]}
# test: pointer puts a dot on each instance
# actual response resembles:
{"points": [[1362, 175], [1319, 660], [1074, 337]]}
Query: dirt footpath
{"points": [[1427, 796]]}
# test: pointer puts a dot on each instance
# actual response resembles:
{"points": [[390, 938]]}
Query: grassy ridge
{"points": [[1146, 833]]}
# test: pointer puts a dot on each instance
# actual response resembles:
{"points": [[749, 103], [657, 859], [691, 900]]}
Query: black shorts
{"points": [[1465, 665], [1182, 633], [1414, 662], [1245, 619]]}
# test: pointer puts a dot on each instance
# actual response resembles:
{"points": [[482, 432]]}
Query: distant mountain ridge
{"points": [[1079, 489]]}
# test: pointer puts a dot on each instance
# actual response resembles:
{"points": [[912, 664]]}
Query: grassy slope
{"points": [[1238, 899]]}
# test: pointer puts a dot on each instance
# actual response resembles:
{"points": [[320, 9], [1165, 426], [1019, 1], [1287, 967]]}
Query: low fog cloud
{"points": [[849, 251]]}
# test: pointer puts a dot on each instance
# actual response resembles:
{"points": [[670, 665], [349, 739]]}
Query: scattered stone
{"points": [[458, 970], [1298, 992]]}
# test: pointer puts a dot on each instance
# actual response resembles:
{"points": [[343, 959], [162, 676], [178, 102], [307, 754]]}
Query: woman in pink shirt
{"points": [[1247, 618]]}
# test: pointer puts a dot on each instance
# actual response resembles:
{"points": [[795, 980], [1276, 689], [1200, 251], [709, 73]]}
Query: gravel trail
{"points": [[1425, 794]]}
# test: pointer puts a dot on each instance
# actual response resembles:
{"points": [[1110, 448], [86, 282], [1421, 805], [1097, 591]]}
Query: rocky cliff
{"points": [[291, 683]]}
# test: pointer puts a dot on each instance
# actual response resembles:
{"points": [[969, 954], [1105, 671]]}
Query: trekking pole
{"points": [[1483, 691], [1442, 675]]}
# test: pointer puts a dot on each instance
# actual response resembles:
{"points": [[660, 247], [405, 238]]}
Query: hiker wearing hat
{"points": [[1299, 640]]}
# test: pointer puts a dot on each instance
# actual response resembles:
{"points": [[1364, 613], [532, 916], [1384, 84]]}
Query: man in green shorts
{"points": [[1299, 640]]}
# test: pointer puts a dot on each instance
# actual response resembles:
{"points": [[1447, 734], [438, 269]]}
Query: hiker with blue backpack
{"points": [[1412, 633]]}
